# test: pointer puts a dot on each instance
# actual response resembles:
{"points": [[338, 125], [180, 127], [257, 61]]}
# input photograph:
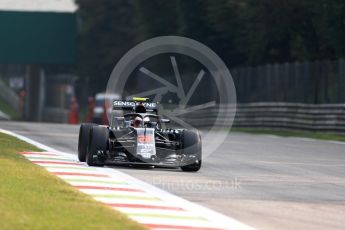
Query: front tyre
{"points": [[83, 142], [192, 150], [98, 146], [192, 167]]}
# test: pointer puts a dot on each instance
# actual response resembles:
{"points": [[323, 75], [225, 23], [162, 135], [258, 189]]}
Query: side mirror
{"points": [[165, 121]]}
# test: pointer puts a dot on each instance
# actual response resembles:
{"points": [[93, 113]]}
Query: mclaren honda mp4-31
{"points": [[136, 136]]}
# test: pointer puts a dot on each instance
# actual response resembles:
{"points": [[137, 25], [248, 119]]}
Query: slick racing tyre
{"points": [[192, 149], [83, 142], [98, 145]]}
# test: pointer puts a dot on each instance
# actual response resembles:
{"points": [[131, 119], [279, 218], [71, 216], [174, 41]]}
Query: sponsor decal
{"points": [[146, 143], [145, 139], [124, 103], [132, 104]]}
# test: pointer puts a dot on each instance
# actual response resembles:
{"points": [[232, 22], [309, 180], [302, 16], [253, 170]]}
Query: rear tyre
{"points": [[192, 150], [99, 137], [83, 142]]}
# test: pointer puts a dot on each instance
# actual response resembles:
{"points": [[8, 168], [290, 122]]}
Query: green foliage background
{"points": [[241, 32]]}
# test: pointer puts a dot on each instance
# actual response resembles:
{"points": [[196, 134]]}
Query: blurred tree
{"points": [[106, 33], [289, 30], [329, 17], [246, 32], [155, 18], [192, 19], [277, 31], [225, 28]]}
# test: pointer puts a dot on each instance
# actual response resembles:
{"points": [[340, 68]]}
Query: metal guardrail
{"points": [[4, 116], [323, 117], [55, 115], [280, 115], [9, 96]]}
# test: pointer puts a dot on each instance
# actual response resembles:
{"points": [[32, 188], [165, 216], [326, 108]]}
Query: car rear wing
{"points": [[130, 105]]}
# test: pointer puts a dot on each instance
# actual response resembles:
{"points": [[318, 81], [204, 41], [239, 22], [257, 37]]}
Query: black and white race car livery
{"points": [[137, 137]]}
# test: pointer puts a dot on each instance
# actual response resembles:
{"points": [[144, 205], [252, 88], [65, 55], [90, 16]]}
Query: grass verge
{"points": [[32, 198], [288, 133]]}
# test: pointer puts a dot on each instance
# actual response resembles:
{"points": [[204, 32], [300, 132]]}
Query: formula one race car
{"points": [[137, 137]]}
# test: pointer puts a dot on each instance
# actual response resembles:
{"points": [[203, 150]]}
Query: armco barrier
{"points": [[322, 117], [9, 96], [57, 115]]}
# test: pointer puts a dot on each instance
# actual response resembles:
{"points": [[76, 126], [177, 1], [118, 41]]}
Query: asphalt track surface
{"points": [[264, 181]]}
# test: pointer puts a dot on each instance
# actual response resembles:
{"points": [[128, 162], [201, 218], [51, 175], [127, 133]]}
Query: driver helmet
{"points": [[137, 122], [148, 123]]}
